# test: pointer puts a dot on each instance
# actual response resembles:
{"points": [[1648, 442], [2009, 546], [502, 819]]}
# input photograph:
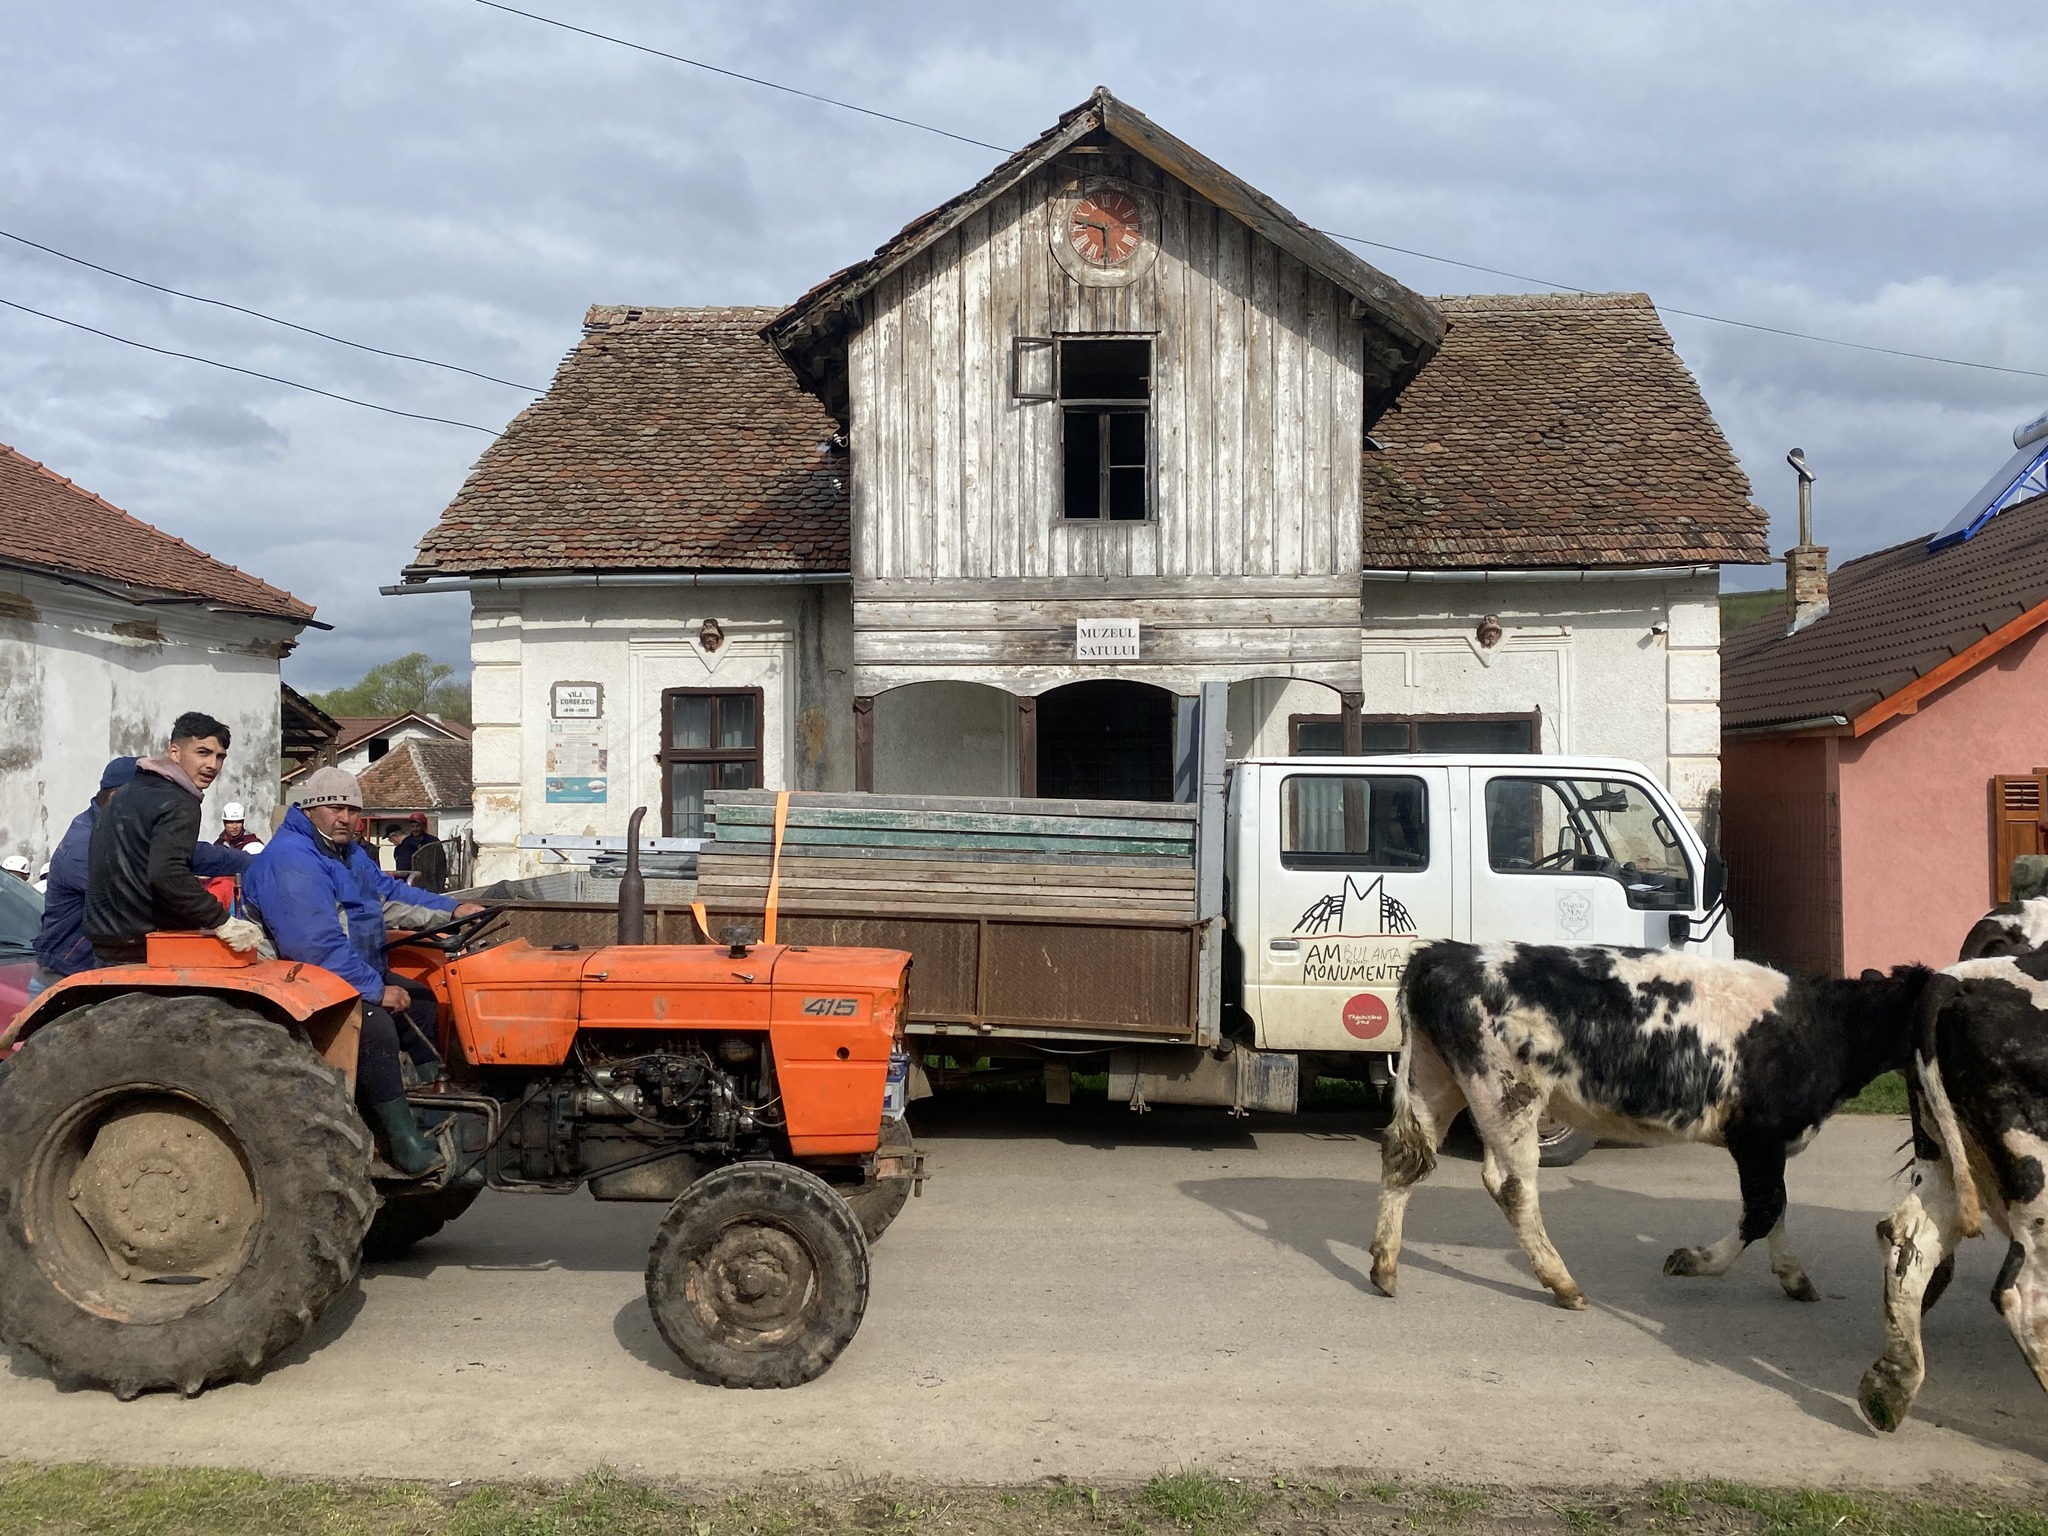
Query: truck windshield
{"points": [[1603, 827], [1353, 821]]}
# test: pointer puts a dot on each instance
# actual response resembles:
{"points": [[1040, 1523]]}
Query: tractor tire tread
{"points": [[301, 1141]]}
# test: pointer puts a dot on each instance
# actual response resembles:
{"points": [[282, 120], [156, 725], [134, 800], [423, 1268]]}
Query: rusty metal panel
{"points": [[1085, 977], [943, 953]]}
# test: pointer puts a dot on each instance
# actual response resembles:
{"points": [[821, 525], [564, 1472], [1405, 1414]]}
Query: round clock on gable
{"points": [[1104, 234], [1106, 226]]}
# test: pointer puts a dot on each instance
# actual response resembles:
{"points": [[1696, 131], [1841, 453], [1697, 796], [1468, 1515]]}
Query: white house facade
{"points": [[109, 630], [981, 514]]}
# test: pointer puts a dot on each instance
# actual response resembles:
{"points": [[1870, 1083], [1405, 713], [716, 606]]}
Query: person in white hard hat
{"points": [[17, 865], [233, 833]]}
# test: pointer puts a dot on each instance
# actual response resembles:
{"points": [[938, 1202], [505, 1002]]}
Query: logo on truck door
{"points": [[1327, 913], [832, 1007], [1365, 1016]]}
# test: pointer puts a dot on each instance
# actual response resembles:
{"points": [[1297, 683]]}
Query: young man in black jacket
{"points": [[139, 873]]}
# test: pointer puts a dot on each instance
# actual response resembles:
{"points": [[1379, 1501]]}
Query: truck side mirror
{"points": [[1717, 880], [1679, 926]]}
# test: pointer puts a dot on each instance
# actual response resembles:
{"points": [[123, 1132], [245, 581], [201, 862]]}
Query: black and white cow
{"points": [[1979, 1094], [2016, 928], [1656, 1045]]}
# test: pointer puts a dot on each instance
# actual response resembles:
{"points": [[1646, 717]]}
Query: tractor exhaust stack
{"points": [[633, 889]]}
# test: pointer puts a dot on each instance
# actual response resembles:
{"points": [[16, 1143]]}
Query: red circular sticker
{"points": [[1365, 1016]]}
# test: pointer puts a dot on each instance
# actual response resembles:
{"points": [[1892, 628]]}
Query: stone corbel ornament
{"points": [[710, 636], [1485, 640]]}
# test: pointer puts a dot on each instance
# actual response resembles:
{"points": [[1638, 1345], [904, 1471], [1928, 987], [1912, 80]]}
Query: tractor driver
{"points": [[326, 902]]}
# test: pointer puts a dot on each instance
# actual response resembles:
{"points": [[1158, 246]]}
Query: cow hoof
{"points": [[1684, 1261], [1572, 1300], [1800, 1289], [1384, 1278], [1885, 1400]]}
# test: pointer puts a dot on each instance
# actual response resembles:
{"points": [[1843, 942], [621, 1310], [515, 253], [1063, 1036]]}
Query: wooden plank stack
{"points": [[954, 855]]}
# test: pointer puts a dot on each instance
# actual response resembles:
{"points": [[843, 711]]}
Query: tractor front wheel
{"points": [[185, 1188], [758, 1276]]}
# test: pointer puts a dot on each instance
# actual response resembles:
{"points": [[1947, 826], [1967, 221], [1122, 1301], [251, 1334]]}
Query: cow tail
{"points": [[1947, 1130]]}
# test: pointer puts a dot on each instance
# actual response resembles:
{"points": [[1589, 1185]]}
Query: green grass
{"points": [[1194, 1500], [101, 1501], [1740, 608], [1885, 1096]]}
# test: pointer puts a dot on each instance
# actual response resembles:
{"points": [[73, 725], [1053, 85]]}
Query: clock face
{"points": [[1106, 227]]}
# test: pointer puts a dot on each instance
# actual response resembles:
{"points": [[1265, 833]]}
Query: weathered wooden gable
{"points": [[1257, 405]]}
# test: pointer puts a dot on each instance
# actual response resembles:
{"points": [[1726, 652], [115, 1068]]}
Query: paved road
{"points": [[1088, 1293]]}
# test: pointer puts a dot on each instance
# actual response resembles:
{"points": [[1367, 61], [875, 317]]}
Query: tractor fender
{"points": [[327, 1009]]}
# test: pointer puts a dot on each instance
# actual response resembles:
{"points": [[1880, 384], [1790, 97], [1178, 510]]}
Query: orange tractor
{"points": [[185, 1183]]}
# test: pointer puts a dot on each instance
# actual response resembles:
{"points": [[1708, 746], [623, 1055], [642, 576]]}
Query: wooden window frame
{"points": [[1101, 410], [669, 754], [1534, 719]]}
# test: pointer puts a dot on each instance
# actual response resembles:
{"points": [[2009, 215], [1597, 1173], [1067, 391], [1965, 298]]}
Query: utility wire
{"points": [[733, 74], [1691, 314], [177, 293], [1378, 245], [193, 357]]}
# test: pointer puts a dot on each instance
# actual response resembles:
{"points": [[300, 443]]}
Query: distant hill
{"points": [[1740, 608]]}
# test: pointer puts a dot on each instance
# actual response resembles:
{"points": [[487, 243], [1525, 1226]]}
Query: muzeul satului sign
{"points": [[1106, 640]]}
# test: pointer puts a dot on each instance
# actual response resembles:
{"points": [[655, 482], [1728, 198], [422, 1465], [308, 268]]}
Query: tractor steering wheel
{"points": [[458, 933]]}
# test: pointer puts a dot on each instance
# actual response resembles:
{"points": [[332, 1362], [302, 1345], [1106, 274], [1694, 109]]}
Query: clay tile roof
{"points": [[360, 728], [51, 524], [672, 440], [418, 776], [1893, 617], [1555, 430]]}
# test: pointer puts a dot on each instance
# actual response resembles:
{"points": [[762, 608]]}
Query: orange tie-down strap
{"points": [[774, 878]]}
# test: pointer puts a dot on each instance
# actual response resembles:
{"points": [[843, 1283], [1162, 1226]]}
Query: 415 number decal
{"points": [[832, 1007]]}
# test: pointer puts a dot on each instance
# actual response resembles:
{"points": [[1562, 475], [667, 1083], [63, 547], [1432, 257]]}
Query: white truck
{"points": [[1215, 952]]}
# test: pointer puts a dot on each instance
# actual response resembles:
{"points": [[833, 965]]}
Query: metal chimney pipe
{"points": [[633, 889], [1797, 459]]}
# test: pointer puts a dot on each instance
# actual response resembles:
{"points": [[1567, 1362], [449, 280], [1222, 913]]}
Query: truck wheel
{"points": [[876, 1205], [1560, 1145], [402, 1224], [758, 1276], [186, 1188]]}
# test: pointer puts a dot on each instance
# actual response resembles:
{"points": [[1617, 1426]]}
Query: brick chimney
{"points": [[1806, 564]]}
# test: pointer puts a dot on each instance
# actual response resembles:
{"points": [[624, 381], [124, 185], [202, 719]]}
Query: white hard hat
{"points": [[15, 864], [233, 811]]}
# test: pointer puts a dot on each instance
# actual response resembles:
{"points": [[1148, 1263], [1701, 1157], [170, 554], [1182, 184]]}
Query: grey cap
{"points": [[331, 786]]}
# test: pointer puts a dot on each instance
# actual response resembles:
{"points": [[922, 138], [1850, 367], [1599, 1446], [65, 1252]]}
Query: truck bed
{"points": [[1074, 920]]}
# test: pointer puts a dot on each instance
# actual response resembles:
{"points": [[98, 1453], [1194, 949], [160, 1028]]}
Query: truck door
{"points": [[1573, 858], [1354, 873]]}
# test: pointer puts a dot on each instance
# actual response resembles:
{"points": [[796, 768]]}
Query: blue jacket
{"points": [[61, 945], [327, 907]]}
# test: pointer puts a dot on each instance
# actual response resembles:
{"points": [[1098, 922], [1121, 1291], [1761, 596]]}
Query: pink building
{"points": [[1881, 767]]}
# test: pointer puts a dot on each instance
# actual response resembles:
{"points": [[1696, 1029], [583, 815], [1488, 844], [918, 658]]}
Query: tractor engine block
{"points": [[642, 1117]]}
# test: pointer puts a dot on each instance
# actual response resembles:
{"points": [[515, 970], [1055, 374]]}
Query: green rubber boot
{"points": [[411, 1153]]}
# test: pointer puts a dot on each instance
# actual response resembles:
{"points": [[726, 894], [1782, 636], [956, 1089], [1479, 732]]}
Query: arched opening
{"points": [[945, 738], [1107, 740]]}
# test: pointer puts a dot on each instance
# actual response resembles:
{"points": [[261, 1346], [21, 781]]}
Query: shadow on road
{"points": [[1814, 1354]]}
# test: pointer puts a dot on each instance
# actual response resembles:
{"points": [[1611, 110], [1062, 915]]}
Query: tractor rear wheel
{"points": [[876, 1205], [758, 1276], [185, 1189], [403, 1222]]}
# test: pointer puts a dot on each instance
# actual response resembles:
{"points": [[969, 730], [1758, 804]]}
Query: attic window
{"points": [[1105, 393]]}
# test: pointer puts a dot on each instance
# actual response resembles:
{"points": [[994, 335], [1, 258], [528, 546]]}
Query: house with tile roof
{"points": [[109, 630], [981, 512], [1885, 763]]}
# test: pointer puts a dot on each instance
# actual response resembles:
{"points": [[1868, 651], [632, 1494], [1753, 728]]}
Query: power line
{"points": [[733, 74], [193, 357], [178, 293], [1379, 245], [1692, 314]]}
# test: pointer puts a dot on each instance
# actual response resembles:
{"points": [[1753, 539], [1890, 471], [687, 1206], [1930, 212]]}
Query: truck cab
{"points": [[1339, 868]]}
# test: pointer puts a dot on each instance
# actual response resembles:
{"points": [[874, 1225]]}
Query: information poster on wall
{"points": [[578, 763]]}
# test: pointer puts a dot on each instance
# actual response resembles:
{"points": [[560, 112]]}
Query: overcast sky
{"points": [[437, 177]]}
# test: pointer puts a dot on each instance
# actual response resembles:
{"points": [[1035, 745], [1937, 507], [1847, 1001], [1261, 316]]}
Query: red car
{"points": [[21, 910]]}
